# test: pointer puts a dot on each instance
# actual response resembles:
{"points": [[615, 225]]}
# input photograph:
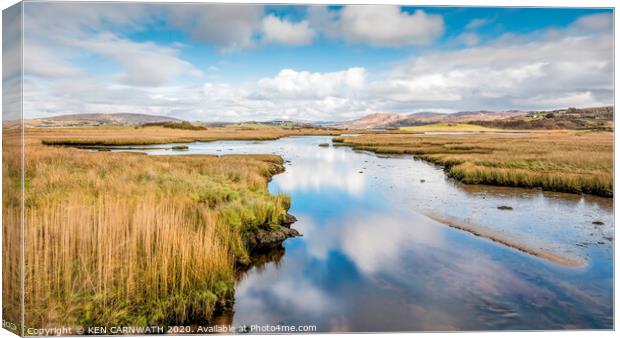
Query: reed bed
{"points": [[160, 135], [11, 229], [127, 239], [564, 161]]}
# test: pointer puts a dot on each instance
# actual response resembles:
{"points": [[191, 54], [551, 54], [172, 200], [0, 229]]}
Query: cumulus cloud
{"points": [[515, 72], [289, 94], [226, 26], [282, 31], [378, 25], [545, 69], [292, 84]]}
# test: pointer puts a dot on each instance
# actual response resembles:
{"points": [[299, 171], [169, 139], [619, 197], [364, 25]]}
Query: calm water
{"points": [[371, 260]]}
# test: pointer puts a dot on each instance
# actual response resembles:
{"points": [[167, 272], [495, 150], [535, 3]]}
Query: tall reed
{"points": [[127, 239]]}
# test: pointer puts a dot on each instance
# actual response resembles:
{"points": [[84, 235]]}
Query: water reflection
{"points": [[370, 260]]}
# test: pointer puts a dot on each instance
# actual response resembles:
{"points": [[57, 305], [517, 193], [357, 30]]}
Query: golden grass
{"points": [[11, 229], [160, 135], [449, 127], [128, 239], [565, 161]]}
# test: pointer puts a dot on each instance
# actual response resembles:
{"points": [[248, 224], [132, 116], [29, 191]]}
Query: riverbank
{"points": [[127, 239], [562, 161]]}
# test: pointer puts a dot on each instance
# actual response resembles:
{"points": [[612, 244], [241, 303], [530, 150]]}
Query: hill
{"points": [[386, 120], [449, 127], [88, 120], [377, 120], [596, 118]]}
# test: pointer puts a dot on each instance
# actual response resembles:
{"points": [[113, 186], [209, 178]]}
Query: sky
{"points": [[215, 62]]}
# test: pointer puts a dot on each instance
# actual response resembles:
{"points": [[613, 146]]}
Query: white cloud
{"points": [[545, 69], [51, 46], [233, 27], [227, 26], [144, 63], [293, 84], [282, 31], [378, 25], [526, 72], [476, 23], [594, 22], [44, 61], [469, 39]]}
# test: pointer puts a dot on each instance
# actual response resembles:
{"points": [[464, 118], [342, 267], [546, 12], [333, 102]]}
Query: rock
{"points": [[271, 235], [504, 207], [180, 147], [361, 172], [598, 223], [422, 180]]}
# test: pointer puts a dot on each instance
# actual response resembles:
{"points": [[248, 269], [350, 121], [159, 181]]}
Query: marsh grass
{"points": [[102, 136], [564, 161], [128, 239], [11, 229]]}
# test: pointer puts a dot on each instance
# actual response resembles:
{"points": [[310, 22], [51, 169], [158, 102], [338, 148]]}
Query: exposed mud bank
{"points": [[573, 262]]}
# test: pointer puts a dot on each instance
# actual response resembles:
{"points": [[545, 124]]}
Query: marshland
{"points": [[159, 235], [565, 161], [130, 239], [350, 168]]}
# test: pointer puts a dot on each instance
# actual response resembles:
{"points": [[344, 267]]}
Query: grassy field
{"points": [[160, 135], [566, 161], [449, 127], [11, 229], [129, 239]]}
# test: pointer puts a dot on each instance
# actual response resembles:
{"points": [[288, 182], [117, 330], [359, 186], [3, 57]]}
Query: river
{"points": [[377, 255]]}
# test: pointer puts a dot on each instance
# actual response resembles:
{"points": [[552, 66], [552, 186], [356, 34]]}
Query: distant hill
{"points": [[89, 120], [386, 120], [377, 120], [596, 118], [251, 125]]}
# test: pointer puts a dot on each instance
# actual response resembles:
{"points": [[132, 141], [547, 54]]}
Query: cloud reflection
{"points": [[327, 168]]}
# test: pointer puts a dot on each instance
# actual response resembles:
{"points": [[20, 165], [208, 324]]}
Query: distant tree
{"points": [[572, 110], [549, 115]]}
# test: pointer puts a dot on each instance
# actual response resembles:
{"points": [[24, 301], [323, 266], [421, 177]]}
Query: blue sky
{"points": [[252, 62]]}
